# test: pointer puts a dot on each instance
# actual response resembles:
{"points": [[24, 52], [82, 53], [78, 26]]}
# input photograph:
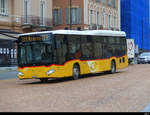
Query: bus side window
{"points": [[117, 47], [107, 51], [107, 48], [124, 47], [87, 47], [61, 49], [98, 47], [74, 48], [112, 42]]}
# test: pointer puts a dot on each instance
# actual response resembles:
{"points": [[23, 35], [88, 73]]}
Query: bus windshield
{"points": [[36, 52]]}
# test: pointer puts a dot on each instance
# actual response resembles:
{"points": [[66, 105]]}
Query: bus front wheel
{"points": [[76, 72], [44, 80]]}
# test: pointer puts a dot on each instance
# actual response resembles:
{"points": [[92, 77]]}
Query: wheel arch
{"points": [[113, 60], [76, 64]]}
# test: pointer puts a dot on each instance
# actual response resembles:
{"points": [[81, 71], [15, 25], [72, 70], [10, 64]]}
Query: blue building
{"points": [[135, 21]]}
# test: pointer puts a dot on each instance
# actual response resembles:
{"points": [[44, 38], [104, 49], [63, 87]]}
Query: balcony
{"points": [[92, 26], [3, 12], [30, 22], [96, 27]]}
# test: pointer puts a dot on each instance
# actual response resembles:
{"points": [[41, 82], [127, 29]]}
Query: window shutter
{"points": [[79, 16], [54, 19], [67, 16], [60, 16], [74, 16]]}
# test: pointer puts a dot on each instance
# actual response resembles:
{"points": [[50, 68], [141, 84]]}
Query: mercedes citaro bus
{"points": [[65, 53]]}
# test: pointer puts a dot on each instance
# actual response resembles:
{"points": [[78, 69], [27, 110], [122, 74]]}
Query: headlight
{"points": [[50, 72], [20, 74]]}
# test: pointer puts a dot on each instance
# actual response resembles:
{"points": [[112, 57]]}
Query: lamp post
{"points": [[70, 14]]}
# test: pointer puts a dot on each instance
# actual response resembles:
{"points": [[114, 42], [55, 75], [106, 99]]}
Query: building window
{"points": [[114, 3], [98, 18], [3, 7], [115, 23], [91, 17], [26, 11], [110, 3], [42, 13], [75, 15], [98, 21], [98, 1], [57, 16], [104, 20], [104, 2], [110, 21]]}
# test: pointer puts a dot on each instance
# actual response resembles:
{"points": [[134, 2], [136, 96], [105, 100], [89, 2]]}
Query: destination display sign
{"points": [[35, 38]]}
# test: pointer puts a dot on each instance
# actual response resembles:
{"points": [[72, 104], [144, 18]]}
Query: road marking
{"points": [[147, 108]]}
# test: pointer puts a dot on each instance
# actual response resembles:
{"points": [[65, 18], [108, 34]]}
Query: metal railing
{"points": [[4, 11], [36, 21]]}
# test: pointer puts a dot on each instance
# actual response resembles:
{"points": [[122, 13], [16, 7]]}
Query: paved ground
{"points": [[8, 72], [8, 75], [126, 91]]}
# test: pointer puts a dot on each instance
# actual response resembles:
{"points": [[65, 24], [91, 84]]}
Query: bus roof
{"points": [[86, 32]]}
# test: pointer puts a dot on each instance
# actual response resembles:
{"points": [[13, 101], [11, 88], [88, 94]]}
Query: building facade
{"points": [[26, 15], [86, 14], [21, 16], [135, 21]]}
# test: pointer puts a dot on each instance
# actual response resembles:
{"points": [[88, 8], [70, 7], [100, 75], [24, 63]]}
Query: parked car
{"points": [[144, 58]]}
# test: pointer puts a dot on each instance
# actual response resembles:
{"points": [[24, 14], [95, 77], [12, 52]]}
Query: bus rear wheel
{"points": [[76, 72], [113, 67]]}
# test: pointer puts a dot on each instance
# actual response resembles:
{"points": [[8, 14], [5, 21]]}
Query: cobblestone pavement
{"points": [[126, 91]]}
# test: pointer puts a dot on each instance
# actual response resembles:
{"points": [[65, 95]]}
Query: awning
{"points": [[8, 35], [5, 37]]}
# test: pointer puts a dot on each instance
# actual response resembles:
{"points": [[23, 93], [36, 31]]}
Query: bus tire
{"points": [[76, 72], [44, 80], [113, 67]]}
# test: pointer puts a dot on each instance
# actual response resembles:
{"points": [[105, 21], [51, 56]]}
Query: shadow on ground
{"points": [[68, 79]]}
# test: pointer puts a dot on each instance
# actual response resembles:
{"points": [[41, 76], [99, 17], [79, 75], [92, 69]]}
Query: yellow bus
{"points": [[66, 53]]}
